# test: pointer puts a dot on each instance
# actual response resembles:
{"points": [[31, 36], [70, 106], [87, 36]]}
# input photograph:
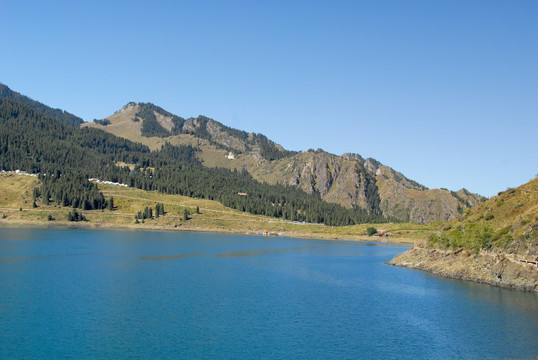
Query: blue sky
{"points": [[445, 92]]}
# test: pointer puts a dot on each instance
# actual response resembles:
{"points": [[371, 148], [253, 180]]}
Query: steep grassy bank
{"points": [[495, 243]]}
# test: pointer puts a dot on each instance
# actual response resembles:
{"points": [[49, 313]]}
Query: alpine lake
{"points": [[87, 294]]}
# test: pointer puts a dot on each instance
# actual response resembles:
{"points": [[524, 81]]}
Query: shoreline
{"points": [[151, 228], [492, 269]]}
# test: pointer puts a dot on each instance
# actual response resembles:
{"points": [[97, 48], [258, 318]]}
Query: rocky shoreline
{"points": [[490, 268]]}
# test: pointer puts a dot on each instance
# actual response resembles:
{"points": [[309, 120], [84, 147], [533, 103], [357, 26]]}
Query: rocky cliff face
{"points": [[409, 201], [353, 181], [336, 179], [349, 180]]}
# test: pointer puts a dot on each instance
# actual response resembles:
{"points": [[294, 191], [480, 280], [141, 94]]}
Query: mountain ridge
{"points": [[348, 179], [62, 115]]}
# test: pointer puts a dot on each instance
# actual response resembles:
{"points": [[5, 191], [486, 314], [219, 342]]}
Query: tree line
{"points": [[63, 116]]}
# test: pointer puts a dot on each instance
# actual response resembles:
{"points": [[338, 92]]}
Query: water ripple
{"points": [[257, 252], [168, 257]]}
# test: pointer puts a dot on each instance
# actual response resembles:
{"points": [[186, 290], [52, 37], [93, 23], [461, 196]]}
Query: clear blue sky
{"points": [[445, 92]]}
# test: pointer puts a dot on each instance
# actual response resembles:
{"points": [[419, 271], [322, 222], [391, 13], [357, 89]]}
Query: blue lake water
{"points": [[103, 294]]}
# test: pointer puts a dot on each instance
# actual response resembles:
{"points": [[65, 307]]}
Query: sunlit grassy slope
{"points": [[122, 124], [507, 222], [516, 208], [16, 208]]}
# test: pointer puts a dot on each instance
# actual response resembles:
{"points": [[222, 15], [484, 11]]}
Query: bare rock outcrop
{"points": [[504, 270]]}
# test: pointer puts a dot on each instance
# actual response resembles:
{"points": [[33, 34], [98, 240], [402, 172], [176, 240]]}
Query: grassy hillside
{"points": [[505, 223], [16, 209]]}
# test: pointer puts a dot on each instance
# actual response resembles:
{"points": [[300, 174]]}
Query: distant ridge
{"points": [[63, 116]]}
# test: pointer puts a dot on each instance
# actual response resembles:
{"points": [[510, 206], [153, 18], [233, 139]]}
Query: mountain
{"points": [[348, 180], [495, 242], [143, 121], [65, 157], [61, 115]]}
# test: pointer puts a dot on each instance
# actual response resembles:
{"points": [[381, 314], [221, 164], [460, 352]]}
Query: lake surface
{"points": [[102, 294]]}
